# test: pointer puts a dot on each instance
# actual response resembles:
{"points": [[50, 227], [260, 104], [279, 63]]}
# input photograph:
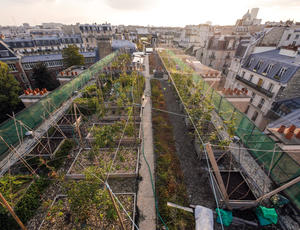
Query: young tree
{"points": [[9, 93], [43, 78], [71, 56]]}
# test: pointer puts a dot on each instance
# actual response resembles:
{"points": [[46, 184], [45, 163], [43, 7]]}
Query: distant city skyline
{"points": [[143, 12]]}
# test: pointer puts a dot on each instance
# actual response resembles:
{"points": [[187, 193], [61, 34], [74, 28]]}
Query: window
{"points": [[281, 72], [247, 109], [243, 74], [252, 97], [251, 77], [288, 37], [254, 117], [297, 36], [261, 103], [294, 43], [250, 62], [268, 69], [260, 82], [259, 64], [12, 67], [271, 86], [4, 53]]}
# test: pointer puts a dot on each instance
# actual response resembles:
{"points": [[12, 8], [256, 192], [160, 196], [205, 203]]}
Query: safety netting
{"points": [[281, 166], [30, 118]]}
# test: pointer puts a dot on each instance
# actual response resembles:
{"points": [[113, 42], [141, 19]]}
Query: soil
{"points": [[235, 179], [63, 219], [46, 147], [125, 161]]}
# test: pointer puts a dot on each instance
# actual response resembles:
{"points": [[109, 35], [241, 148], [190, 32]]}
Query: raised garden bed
{"points": [[238, 190], [125, 164], [13, 187], [110, 135], [60, 215], [48, 147]]}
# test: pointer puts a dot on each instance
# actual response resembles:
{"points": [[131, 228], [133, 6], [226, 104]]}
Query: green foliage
{"points": [[169, 182], [71, 56], [12, 186], [86, 197], [26, 207], [87, 106], [105, 135], [89, 91], [60, 155], [43, 78], [9, 92]]}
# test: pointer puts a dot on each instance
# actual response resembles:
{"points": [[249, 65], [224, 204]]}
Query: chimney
{"points": [[289, 135], [298, 135], [281, 129], [292, 129]]}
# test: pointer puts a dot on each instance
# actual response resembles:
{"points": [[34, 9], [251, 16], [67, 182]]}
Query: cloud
{"points": [[131, 4], [279, 3]]}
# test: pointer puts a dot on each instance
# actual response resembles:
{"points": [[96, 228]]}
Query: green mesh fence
{"points": [[35, 114], [282, 167]]}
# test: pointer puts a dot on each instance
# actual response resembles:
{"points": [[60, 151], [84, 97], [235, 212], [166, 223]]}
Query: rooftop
{"points": [[52, 57], [278, 61]]}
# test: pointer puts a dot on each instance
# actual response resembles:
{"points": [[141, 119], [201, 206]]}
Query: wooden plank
{"points": [[215, 167], [285, 186], [180, 207]]}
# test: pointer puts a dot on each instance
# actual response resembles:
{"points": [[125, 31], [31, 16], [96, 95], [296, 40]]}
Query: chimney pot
{"points": [[281, 129], [292, 129], [289, 135]]}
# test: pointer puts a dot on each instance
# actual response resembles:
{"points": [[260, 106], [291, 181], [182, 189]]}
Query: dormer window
{"points": [[281, 72], [259, 64], [4, 53], [268, 69], [250, 62]]}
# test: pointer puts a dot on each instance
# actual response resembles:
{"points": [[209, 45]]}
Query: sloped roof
{"points": [[52, 57], [117, 44], [11, 55], [273, 57]]}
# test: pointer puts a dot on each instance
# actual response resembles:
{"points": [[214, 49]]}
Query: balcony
{"points": [[254, 86]]}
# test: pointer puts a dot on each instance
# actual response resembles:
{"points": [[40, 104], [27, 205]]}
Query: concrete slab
{"points": [[145, 197]]}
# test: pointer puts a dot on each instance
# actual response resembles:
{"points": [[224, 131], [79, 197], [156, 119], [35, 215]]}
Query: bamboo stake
{"points": [[285, 186], [29, 129], [77, 125], [271, 163], [116, 207], [22, 159], [6, 204], [16, 128]]}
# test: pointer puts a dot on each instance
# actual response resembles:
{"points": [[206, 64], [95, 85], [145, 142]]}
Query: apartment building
{"points": [[268, 77]]}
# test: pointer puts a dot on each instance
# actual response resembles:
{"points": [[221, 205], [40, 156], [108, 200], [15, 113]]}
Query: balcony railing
{"points": [[254, 86]]}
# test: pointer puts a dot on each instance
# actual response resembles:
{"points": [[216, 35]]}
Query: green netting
{"points": [[281, 166], [35, 114], [216, 99]]}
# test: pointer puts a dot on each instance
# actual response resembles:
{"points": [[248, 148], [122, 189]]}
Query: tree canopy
{"points": [[9, 92], [43, 78], [71, 56]]}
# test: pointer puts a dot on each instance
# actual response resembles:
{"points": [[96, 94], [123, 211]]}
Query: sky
{"points": [[144, 12]]}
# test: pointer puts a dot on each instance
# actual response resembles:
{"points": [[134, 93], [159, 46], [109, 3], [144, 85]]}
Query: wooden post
{"points": [[116, 207], [217, 173], [6, 204], [77, 125], [285, 186]]}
